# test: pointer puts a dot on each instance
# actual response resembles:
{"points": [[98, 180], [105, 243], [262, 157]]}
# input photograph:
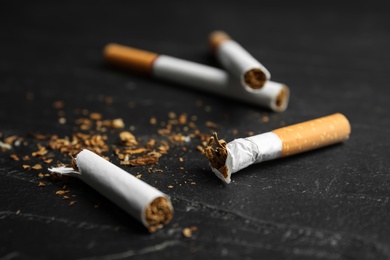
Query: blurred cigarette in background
{"points": [[227, 158], [142, 201], [235, 59], [272, 95]]}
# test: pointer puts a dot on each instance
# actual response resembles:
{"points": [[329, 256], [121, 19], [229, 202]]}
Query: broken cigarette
{"points": [[144, 202], [238, 61], [272, 95], [227, 158]]}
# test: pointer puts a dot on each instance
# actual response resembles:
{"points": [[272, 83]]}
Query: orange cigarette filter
{"points": [[217, 38], [130, 58], [313, 134]]}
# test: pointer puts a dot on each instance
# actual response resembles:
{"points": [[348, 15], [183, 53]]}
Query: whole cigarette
{"points": [[227, 158], [272, 95], [238, 61], [142, 201]]}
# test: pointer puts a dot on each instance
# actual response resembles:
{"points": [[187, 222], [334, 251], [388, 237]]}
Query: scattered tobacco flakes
{"points": [[95, 116], [188, 231], [182, 119], [36, 167], [147, 159], [212, 125], [265, 119], [128, 139], [48, 160], [151, 143], [250, 133], [152, 170], [163, 147], [14, 157], [134, 151], [153, 121], [71, 203], [11, 139], [179, 138], [41, 151], [41, 184], [62, 192], [39, 137], [115, 124], [108, 138], [164, 131], [5, 146]]}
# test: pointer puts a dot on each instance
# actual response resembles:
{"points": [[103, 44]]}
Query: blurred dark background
{"points": [[331, 203]]}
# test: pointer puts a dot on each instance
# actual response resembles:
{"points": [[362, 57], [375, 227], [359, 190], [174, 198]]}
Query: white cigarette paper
{"points": [[272, 95], [142, 201], [238, 61], [228, 158]]}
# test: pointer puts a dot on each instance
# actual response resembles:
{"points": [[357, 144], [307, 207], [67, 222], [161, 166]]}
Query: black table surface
{"points": [[332, 203]]}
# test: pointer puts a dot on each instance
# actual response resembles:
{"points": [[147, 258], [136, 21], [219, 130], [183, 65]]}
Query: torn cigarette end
{"points": [[228, 158], [216, 38], [255, 78], [74, 164], [158, 213], [129, 58], [216, 153]]}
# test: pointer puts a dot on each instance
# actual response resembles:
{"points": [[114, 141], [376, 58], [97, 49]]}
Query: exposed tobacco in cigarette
{"points": [[251, 74], [109, 138], [238, 61], [144, 202], [282, 98], [227, 158], [255, 78], [158, 213], [216, 153]]}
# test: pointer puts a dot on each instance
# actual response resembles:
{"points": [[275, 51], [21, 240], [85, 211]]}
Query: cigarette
{"points": [[238, 61], [227, 158], [142, 201], [272, 95]]}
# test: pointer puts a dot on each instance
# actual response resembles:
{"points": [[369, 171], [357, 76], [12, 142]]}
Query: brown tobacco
{"points": [[254, 75], [255, 78], [158, 213], [217, 155]]}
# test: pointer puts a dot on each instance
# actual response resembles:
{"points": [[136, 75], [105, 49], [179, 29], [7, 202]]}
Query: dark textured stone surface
{"points": [[331, 203]]}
